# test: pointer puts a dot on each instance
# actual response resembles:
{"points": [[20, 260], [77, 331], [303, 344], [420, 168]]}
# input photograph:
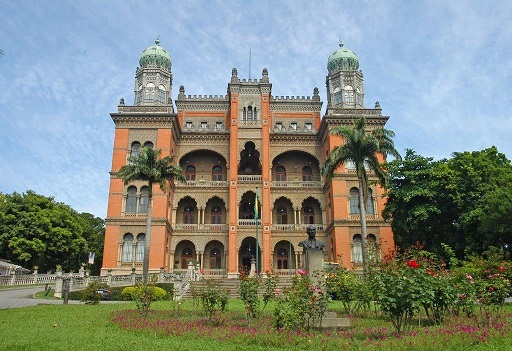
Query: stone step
{"points": [[231, 286]]}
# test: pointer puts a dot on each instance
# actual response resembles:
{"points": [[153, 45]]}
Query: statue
{"points": [[311, 242]]}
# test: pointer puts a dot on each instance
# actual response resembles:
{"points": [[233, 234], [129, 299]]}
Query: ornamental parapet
{"points": [[146, 108], [200, 228], [204, 183], [296, 184]]}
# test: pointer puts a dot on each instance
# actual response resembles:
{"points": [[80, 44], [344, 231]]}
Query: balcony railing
{"points": [[204, 183], [296, 184], [295, 227], [249, 222], [135, 215], [214, 228], [358, 216], [253, 178]]}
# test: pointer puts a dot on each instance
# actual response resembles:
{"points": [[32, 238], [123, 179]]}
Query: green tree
{"points": [[36, 230], [362, 147], [420, 201], [464, 202], [93, 231], [479, 177], [147, 166]]}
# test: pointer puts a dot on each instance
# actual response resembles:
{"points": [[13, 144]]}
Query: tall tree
{"points": [[148, 166], [94, 234], [465, 201], [362, 147], [420, 201], [35, 230]]}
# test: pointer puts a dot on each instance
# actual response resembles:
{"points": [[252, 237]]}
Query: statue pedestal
{"points": [[314, 264]]}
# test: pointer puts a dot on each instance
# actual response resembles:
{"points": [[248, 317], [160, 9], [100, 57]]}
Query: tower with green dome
{"points": [[153, 77], [344, 81]]}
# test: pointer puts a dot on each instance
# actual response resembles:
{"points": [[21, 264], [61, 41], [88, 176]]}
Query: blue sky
{"points": [[441, 69]]}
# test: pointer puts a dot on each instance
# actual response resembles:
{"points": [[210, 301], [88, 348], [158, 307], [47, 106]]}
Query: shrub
{"points": [[169, 288], [90, 295], [213, 299], [248, 291], [301, 306], [132, 293], [405, 283]]}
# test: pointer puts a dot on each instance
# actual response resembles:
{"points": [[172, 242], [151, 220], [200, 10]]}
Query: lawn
{"points": [[119, 327]]}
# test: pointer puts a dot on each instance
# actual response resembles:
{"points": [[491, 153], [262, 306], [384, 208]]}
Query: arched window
{"points": [[357, 248], [309, 215], [161, 94], [190, 173], [249, 114], [282, 217], [144, 199], [337, 97], [127, 254], [139, 249], [186, 255], [349, 94], [370, 206], [131, 200], [138, 97], [216, 173], [215, 258], [216, 215], [148, 144], [150, 93], [247, 211], [359, 97], [280, 174], [188, 216], [350, 164], [371, 241], [354, 201], [307, 174], [282, 259], [135, 149]]}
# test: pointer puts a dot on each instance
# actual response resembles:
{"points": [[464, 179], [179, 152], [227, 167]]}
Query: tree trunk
{"points": [[362, 212], [147, 240]]}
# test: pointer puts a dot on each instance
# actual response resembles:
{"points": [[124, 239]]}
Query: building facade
{"points": [[252, 164]]}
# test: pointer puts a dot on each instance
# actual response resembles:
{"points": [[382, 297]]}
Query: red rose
{"points": [[413, 264]]}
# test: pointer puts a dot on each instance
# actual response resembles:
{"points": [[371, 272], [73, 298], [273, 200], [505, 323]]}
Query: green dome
{"points": [[342, 59], [155, 55]]}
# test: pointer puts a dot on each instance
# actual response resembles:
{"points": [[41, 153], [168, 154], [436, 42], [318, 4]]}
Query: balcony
{"points": [[203, 183], [295, 227], [252, 178], [296, 184], [210, 228]]}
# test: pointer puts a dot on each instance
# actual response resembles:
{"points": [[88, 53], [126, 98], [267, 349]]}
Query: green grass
{"points": [[91, 327]]}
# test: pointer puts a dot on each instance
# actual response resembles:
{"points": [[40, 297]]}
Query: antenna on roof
{"points": [[250, 56]]}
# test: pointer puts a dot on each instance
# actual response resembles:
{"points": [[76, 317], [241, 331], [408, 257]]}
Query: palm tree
{"points": [[362, 147], [147, 166]]}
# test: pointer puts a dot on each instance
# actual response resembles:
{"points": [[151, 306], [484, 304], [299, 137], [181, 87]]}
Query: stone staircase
{"points": [[231, 286]]}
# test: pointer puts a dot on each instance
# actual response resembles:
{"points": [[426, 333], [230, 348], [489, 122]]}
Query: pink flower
{"points": [[413, 264], [277, 291], [302, 272], [202, 271], [501, 269], [469, 277]]}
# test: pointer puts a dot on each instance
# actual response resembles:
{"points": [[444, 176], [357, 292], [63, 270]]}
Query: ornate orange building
{"points": [[233, 147]]}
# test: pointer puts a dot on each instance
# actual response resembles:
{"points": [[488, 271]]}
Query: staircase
{"points": [[231, 286]]}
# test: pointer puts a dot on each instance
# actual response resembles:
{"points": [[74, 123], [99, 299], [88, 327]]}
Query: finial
{"points": [[340, 43], [157, 40]]}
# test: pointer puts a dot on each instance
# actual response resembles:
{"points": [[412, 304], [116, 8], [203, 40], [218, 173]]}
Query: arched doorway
{"points": [[247, 252]]}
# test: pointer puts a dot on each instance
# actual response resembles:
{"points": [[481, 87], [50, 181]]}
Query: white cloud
{"points": [[440, 70]]}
